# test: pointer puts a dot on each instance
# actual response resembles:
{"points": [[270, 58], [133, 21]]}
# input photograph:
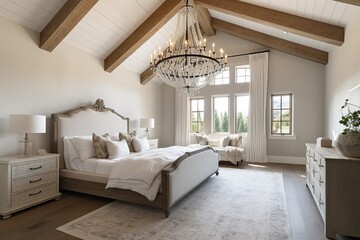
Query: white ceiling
{"points": [[112, 21]]}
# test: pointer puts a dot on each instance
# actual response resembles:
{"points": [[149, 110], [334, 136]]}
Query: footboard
{"points": [[186, 173]]}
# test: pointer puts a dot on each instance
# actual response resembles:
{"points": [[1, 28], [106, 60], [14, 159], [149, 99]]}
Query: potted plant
{"points": [[348, 142]]}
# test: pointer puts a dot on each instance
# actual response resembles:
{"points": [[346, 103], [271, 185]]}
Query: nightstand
{"points": [[27, 181], [153, 143]]}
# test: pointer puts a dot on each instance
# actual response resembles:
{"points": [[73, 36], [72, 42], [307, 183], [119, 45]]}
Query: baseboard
{"points": [[287, 159]]}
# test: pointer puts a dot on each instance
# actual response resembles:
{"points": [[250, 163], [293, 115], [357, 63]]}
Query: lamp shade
{"points": [[147, 123], [21, 123]]}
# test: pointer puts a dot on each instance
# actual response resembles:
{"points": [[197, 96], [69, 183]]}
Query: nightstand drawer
{"points": [[33, 168], [33, 181], [34, 195]]}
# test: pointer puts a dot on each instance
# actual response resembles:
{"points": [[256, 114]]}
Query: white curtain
{"points": [[182, 118], [257, 145]]}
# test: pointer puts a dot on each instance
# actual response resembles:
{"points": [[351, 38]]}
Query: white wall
{"points": [[287, 73], [33, 81], [342, 74]]}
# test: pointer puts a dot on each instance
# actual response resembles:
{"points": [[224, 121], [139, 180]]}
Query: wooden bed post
{"points": [[165, 192]]}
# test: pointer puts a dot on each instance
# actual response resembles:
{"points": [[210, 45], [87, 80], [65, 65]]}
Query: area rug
{"points": [[237, 204]]}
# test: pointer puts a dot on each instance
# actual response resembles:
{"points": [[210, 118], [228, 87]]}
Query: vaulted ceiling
{"points": [[126, 32]]}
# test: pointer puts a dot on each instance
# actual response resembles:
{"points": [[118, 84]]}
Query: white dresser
{"points": [[25, 182], [334, 182], [153, 143]]}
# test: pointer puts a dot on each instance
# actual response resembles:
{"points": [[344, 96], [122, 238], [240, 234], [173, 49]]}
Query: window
{"points": [[241, 114], [281, 114], [197, 115], [221, 114], [242, 74], [222, 78]]}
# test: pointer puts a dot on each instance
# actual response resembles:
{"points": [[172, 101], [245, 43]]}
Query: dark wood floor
{"points": [[40, 222]]}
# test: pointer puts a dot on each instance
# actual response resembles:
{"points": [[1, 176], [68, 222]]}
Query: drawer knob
{"points": [[35, 168], [34, 181], [33, 194], [321, 202]]}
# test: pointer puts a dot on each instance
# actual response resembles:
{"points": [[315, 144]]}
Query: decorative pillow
{"points": [[100, 145], [117, 149], [128, 138], [239, 142], [226, 141], [215, 142], [140, 144], [84, 146], [236, 140], [201, 139]]}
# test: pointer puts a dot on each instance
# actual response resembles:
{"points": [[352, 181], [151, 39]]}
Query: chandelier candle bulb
{"points": [[221, 52]]}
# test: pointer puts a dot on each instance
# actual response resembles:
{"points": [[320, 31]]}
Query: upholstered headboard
{"points": [[84, 121]]}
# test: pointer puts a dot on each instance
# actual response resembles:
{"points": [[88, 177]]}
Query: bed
{"points": [[177, 180]]}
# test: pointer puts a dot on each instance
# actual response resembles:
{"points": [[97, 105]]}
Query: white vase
{"points": [[348, 144]]}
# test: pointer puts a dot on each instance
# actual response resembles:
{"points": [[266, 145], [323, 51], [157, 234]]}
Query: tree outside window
{"points": [[197, 115], [281, 114], [221, 114], [241, 115]]}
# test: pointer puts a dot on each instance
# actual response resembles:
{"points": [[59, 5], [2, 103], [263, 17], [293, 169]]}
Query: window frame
{"points": [[242, 66], [213, 130], [280, 135], [213, 82], [235, 110], [197, 112]]}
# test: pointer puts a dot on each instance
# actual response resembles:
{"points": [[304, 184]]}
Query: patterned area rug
{"points": [[237, 204]]}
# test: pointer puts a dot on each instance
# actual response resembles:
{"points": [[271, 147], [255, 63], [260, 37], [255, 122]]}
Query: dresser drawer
{"points": [[34, 195], [24, 170], [33, 181]]}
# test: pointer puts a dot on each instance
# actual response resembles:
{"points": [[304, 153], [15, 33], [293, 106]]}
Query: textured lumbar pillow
{"points": [[100, 145], [128, 138]]}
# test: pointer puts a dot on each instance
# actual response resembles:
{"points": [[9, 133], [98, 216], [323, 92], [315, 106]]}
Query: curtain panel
{"points": [[182, 118], [257, 142]]}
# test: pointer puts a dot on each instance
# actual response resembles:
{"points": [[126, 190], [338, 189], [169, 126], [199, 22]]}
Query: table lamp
{"points": [[22, 123], [147, 123]]}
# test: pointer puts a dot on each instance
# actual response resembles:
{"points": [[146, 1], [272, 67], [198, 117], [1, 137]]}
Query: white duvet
{"points": [[141, 172]]}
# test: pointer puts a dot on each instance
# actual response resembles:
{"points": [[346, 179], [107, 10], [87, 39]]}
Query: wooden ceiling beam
{"points": [[146, 76], [140, 35], [270, 41], [63, 22], [204, 19], [353, 2], [287, 22]]}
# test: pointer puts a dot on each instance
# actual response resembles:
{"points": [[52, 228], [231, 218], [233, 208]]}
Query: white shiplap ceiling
{"points": [[111, 21]]}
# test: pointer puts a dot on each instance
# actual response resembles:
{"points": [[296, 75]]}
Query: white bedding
{"points": [[140, 172]]}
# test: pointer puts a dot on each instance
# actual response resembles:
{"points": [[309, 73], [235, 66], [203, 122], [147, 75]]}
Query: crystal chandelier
{"points": [[186, 64]]}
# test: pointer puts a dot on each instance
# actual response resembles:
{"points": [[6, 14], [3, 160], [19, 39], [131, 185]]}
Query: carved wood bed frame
{"points": [[205, 164]]}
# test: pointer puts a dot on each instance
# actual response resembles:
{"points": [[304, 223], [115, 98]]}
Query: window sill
{"points": [[282, 137]]}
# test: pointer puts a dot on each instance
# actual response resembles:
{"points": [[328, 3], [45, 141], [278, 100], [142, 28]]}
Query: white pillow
{"points": [[215, 142], [140, 144], [84, 146], [117, 149]]}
